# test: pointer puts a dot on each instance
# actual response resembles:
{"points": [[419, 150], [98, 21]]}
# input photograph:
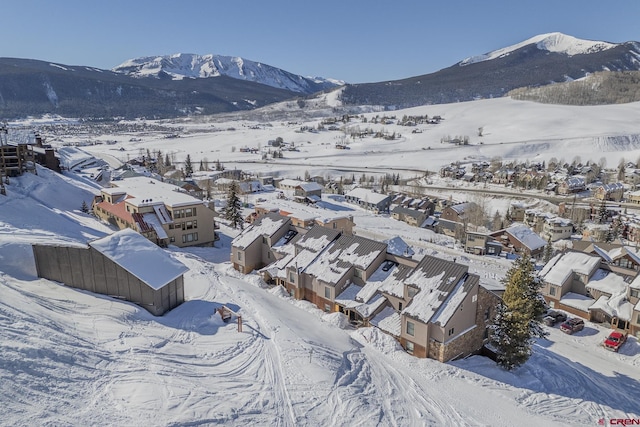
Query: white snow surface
{"points": [[70, 357]]}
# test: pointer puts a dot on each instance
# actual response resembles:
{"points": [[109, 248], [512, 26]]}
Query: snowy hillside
{"points": [[71, 357], [551, 42], [181, 65]]}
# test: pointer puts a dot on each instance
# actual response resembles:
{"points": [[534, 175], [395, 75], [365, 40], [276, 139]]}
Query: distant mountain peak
{"points": [[551, 42], [188, 65]]}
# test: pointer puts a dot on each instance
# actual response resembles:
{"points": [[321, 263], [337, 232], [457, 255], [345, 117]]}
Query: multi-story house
{"points": [[157, 210], [556, 228], [613, 192], [251, 249], [448, 312]]}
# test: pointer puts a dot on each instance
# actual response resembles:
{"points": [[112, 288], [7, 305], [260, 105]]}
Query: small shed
{"points": [[123, 265]]}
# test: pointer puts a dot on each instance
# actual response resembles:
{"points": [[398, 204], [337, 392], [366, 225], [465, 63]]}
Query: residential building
{"points": [[251, 249], [369, 200], [556, 228], [410, 216], [157, 210], [520, 239], [583, 285], [613, 192]]}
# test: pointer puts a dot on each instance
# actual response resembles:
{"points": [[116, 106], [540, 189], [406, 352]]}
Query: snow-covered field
{"points": [[69, 357]]}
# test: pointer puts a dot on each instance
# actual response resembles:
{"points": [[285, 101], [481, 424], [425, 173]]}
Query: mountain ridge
{"points": [[188, 65]]}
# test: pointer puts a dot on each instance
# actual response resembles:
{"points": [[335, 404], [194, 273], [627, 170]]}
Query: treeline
{"points": [[606, 87]]}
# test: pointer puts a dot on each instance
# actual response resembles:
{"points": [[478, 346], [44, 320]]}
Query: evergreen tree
{"points": [[548, 251], [201, 168], [188, 167], [233, 210], [84, 208], [167, 162], [517, 323], [602, 213]]}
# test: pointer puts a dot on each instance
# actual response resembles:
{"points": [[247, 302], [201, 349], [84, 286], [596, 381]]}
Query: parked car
{"points": [[572, 325], [614, 340], [552, 317]]}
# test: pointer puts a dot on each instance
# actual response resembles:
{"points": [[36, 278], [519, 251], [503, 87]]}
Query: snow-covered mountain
{"points": [[551, 42], [538, 61], [186, 65]]}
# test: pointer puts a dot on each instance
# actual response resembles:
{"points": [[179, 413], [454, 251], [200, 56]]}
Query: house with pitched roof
{"points": [[251, 249], [448, 313], [520, 239]]}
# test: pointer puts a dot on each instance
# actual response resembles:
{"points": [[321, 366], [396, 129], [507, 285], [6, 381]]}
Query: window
{"points": [[358, 273], [189, 237], [411, 328], [292, 277], [638, 319], [552, 290], [239, 256], [335, 225], [400, 306], [474, 298], [487, 313], [327, 308], [187, 212], [409, 346], [486, 333], [327, 292], [635, 293], [172, 239], [451, 331]]}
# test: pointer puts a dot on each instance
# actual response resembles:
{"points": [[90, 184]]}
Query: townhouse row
{"points": [[434, 307]]}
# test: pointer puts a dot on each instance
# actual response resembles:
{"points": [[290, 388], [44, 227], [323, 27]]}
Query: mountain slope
{"points": [[538, 61], [181, 66], [30, 87]]}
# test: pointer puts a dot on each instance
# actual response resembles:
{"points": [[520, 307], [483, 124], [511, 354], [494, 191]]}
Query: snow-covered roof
{"points": [[435, 279], [310, 186], [145, 260], [577, 301], [397, 246], [389, 321], [144, 191], [526, 236], [616, 306], [366, 195], [348, 251], [607, 282], [264, 226], [561, 266]]}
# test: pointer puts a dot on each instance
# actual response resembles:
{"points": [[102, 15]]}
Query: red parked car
{"points": [[615, 340]]}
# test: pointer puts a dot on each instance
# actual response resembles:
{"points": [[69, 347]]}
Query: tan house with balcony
{"points": [[157, 210]]}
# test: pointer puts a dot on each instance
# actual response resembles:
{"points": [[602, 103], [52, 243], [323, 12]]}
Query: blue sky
{"points": [[353, 40]]}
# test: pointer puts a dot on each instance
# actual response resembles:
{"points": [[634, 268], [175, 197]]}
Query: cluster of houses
{"points": [[435, 308], [536, 177], [598, 282]]}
